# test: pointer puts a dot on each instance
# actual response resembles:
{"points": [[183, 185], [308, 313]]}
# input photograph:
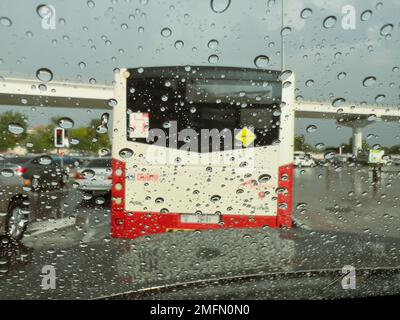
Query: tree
{"points": [[394, 149], [13, 127], [89, 138], [41, 140], [300, 145]]}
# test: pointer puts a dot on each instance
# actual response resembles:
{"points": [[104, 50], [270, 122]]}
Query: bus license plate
{"points": [[200, 218]]}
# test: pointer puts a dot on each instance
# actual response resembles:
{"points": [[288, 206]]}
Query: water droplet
{"points": [[5, 22], [329, 155], [66, 123], [219, 6], [261, 61], [15, 128], [45, 160], [91, 4], [311, 128], [309, 83], [213, 59], [101, 129], [166, 32], [306, 13], [125, 153], [338, 102], [215, 198], [341, 75], [366, 15], [329, 22], [380, 98], [8, 173], [320, 146], [285, 31], [264, 178], [285, 75], [213, 44], [369, 81], [100, 200], [44, 74], [82, 65], [159, 200], [386, 29], [112, 102], [88, 174], [179, 44]]}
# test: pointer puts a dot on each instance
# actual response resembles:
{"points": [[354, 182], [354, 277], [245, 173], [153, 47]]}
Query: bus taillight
{"points": [[118, 196], [285, 199]]}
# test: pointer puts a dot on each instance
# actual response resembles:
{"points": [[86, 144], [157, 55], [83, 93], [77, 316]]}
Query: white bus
{"points": [[201, 148]]}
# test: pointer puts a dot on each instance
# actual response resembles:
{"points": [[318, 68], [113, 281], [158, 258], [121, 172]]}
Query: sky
{"points": [[93, 38]]}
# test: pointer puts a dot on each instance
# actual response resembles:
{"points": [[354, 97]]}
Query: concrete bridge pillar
{"points": [[357, 140]]}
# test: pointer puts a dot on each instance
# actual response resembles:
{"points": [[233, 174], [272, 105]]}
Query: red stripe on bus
{"points": [[285, 197], [135, 224]]}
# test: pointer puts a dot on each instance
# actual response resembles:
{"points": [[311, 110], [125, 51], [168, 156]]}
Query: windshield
{"points": [[216, 149]]}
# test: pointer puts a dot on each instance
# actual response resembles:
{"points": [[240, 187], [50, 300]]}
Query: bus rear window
{"points": [[227, 105]]}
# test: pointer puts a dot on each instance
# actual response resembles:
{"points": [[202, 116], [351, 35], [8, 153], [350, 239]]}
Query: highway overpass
{"points": [[30, 92]]}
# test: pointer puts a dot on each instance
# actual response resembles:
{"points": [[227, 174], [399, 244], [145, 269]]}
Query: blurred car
{"points": [[35, 172], [20, 179], [68, 161], [96, 176], [303, 160]]}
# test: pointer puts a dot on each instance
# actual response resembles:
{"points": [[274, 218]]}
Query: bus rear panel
{"points": [[201, 148]]}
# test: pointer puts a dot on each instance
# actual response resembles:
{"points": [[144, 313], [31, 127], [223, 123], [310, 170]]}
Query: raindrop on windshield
{"points": [[341, 75], [7, 173], [285, 75], [88, 173], [309, 83], [82, 65], [380, 98], [285, 31], [306, 13], [44, 74], [219, 6], [261, 61], [386, 29], [45, 160], [179, 44], [166, 32], [338, 102], [366, 15], [264, 178], [369, 81], [329, 22], [311, 128], [215, 198], [5, 22], [15, 128], [66, 123], [125, 153], [90, 4], [213, 59], [213, 44], [159, 200], [112, 102]]}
